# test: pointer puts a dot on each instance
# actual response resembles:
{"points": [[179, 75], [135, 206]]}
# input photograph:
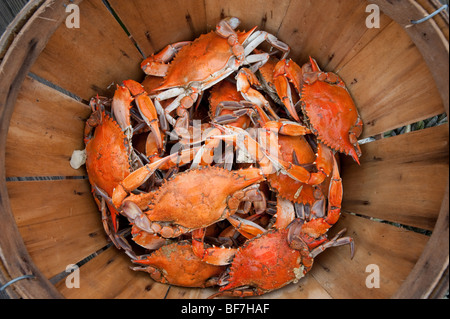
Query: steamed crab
{"points": [[200, 64], [328, 108], [284, 254], [107, 159], [271, 261], [176, 264], [186, 202]]}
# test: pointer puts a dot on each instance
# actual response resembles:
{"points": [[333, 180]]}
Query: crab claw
{"points": [[139, 176], [286, 71], [226, 26], [156, 64], [211, 255], [150, 116], [121, 106]]}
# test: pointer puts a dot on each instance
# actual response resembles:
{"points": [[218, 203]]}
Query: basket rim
{"points": [[17, 62]]}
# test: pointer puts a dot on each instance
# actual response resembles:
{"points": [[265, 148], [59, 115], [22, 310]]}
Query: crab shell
{"points": [[227, 91], [266, 263], [199, 198], [176, 264], [107, 161], [331, 112], [205, 56], [287, 187]]}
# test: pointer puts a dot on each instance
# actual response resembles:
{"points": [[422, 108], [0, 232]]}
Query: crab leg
{"points": [[223, 256], [323, 160], [324, 154], [319, 226], [206, 153], [285, 213], [225, 28], [121, 106], [139, 176], [156, 64], [150, 116], [244, 80], [182, 103], [288, 71], [246, 227], [211, 255], [239, 109], [267, 157], [94, 119], [146, 109], [259, 37], [287, 128], [269, 164], [257, 60], [335, 242], [147, 240], [117, 238], [354, 132]]}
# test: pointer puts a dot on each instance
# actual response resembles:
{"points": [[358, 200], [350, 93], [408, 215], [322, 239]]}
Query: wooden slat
{"points": [[45, 128], [307, 288], [267, 15], [58, 220], [108, 276], [318, 29], [16, 63], [428, 39], [154, 26], [8, 32], [429, 278], [190, 293], [391, 84], [394, 250], [429, 272], [87, 60], [401, 179]]}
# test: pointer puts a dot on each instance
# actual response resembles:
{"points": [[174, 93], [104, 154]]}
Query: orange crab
{"points": [[312, 230], [271, 261], [328, 107], [286, 253], [187, 202], [107, 160], [331, 112], [176, 264], [206, 61]]}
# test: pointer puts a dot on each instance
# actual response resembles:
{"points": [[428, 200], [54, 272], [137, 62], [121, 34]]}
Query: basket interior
{"points": [[391, 201]]}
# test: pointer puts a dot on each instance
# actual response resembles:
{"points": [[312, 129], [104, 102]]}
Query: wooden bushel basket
{"points": [[397, 73]]}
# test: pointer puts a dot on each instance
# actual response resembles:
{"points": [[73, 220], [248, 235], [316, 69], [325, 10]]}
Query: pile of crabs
{"points": [[224, 162]]}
